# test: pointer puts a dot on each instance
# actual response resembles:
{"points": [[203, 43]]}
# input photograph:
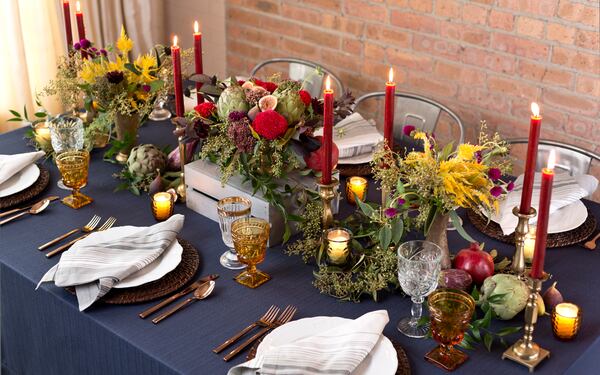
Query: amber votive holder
{"points": [[566, 320], [162, 206], [356, 187]]}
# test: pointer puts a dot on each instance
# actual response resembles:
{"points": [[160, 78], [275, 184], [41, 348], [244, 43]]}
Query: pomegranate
{"points": [[313, 160], [476, 262]]}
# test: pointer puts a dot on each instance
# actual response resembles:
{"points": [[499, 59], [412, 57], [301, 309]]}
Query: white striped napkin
{"points": [[13, 164], [354, 136], [566, 189], [98, 262], [337, 351]]}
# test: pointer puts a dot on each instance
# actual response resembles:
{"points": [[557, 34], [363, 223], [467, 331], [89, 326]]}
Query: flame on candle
{"points": [[551, 160], [175, 41], [391, 75], [196, 27], [78, 6], [328, 83], [535, 109]]}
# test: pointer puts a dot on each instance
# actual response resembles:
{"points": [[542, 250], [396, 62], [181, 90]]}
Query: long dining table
{"points": [[43, 332]]}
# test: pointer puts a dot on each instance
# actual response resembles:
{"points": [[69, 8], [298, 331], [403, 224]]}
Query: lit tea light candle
{"points": [[529, 245], [162, 206], [356, 186], [566, 319], [42, 134], [338, 245]]}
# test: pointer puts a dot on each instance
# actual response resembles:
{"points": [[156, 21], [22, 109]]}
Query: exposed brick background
{"points": [[485, 59]]}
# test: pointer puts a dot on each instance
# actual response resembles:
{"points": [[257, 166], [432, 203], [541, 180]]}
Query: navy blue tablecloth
{"points": [[44, 333]]}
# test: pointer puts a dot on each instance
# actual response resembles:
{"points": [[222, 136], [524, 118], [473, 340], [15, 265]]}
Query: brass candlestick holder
{"points": [[327, 193], [525, 351], [518, 261]]}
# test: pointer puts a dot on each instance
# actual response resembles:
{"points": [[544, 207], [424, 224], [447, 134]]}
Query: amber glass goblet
{"points": [[74, 166], [250, 236], [451, 311]]}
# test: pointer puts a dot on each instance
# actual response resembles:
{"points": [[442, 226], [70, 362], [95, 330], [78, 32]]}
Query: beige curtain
{"points": [[32, 35]]}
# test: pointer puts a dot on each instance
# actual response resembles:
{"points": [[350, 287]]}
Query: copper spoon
{"points": [[200, 293], [34, 210], [591, 244]]}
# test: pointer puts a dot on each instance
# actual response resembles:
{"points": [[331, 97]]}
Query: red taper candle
{"points": [[68, 31], [80, 26], [388, 120], [198, 58], [541, 232], [327, 132], [532, 149], [176, 57]]}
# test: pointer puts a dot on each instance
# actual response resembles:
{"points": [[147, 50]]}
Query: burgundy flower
{"points": [[510, 186], [496, 191], [115, 76], [239, 132], [317, 106], [77, 46], [400, 201], [103, 52], [494, 174], [478, 156], [408, 129], [391, 212], [237, 116], [85, 44], [146, 88]]}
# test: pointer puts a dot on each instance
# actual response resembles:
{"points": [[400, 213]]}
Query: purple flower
{"points": [[146, 88], [510, 186], [390, 212], [496, 191], [115, 76], [400, 201], [103, 52], [408, 129], [236, 116], [478, 156], [494, 174], [239, 132], [77, 46], [85, 44]]}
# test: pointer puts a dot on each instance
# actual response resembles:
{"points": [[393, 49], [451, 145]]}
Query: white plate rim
{"points": [[20, 181], [382, 346]]}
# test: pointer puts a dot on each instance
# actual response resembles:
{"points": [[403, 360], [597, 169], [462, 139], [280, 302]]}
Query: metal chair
{"points": [[571, 159], [416, 110], [304, 70]]}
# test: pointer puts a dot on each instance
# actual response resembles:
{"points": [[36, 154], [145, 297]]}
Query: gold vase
{"points": [[438, 234], [127, 127]]}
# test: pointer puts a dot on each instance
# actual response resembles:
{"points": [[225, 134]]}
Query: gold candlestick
{"points": [[525, 351], [521, 231], [327, 193], [181, 187]]}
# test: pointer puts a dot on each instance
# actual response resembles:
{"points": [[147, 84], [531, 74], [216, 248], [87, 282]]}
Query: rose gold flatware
{"points": [[90, 226], [15, 210], [190, 288], [263, 321], [200, 293], [34, 210], [107, 224], [284, 317], [591, 244]]}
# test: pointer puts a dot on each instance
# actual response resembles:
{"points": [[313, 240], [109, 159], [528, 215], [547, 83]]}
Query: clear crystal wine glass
{"points": [[66, 134], [419, 265], [231, 209], [159, 112]]}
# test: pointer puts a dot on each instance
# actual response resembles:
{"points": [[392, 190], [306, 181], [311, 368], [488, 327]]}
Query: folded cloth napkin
{"points": [[94, 265], [354, 136], [338, 350], [13, 164], [566, 189]]}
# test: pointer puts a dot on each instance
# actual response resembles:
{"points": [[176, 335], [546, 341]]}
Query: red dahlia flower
{"points": [[269, 86], [205, 109], [305, 97], [270, 124]]}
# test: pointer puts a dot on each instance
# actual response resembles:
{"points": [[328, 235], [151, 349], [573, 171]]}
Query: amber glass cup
{"points": [[74, 166], [451, 311], [250, 236]]}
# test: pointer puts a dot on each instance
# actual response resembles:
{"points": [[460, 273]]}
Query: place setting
{"points": [[22, 179]]}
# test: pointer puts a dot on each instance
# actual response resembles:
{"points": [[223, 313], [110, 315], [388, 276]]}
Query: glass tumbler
{"points": [[231, 209]]}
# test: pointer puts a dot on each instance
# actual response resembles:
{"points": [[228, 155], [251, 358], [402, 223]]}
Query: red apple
{"points": [[314, 159], [476, 262]]}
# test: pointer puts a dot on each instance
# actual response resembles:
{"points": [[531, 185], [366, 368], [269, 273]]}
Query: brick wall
{"points": [[485, 59]]}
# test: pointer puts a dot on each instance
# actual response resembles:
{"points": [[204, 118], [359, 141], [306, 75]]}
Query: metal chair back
{"points": [[416, 110], [306, 71], [569, 159]]}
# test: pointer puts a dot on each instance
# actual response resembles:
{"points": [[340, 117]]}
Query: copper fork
{"points": [[90, 226], [284, 317], [263, 321], [107, 224]]}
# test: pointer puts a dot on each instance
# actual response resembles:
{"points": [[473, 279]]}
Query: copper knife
{"points": [[190, 288], [51, 198]]}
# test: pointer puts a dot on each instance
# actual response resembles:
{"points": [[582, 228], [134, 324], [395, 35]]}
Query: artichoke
{"points": [[289, 104], [232, 99], [145, 160], [515, 291]]}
